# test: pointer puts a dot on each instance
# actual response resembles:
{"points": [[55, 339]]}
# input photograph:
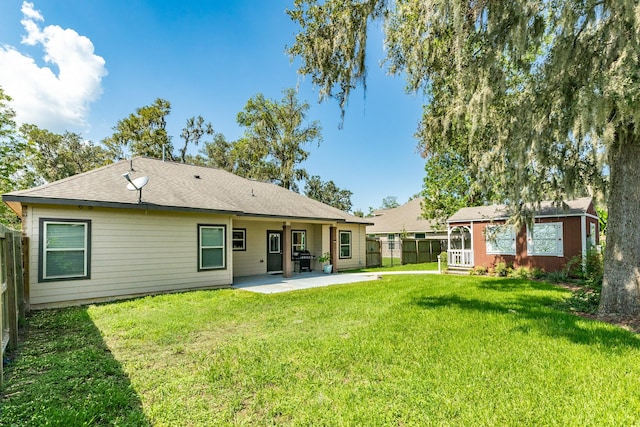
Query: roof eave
{"points": [[9, 198], [116, 205], [301, 218], [505, 218]]}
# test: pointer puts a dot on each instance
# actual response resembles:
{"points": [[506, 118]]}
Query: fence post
{"points": [[26, 293], [11, 292], [2, 297], [12, 281], [19, 276]]}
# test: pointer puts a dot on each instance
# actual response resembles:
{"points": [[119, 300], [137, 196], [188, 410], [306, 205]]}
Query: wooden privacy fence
{"points": [[416, 251], [13, 298], [374, 253]]}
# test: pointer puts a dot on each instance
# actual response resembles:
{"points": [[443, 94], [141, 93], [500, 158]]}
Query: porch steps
{"points": [[459, 270]]}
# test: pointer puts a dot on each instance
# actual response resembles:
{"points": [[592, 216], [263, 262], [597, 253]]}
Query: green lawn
{"points": [[403, 350], [397, 266]]}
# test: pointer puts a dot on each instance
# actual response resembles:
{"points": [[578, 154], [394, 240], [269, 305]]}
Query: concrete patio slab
{"points": [[275, 283]]}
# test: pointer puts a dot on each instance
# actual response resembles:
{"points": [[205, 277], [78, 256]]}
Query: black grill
{"points": [[304, 258]]}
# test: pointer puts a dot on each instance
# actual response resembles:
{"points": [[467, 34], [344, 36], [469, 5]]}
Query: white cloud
{"points": [[56, 96], [29, 12]]}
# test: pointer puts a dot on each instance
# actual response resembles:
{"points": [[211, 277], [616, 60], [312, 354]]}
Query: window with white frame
{"points": [[211, 247], [345, 244], [298, 240], [500, 239], [592, 235], [545, 239], [65, 249], [239, 239]]}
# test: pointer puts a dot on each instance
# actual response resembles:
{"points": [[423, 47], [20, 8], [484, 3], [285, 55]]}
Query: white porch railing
{"points": [[460, 258]]}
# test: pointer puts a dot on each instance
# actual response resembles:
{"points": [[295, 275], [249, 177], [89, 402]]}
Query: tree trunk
{"points": [[621, 285]]}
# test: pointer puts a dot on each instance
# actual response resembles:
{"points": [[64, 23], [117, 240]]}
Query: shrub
{"points": [[536, 273], [478, 271], [501, 269], [558, 276], [520, 273], [573, 268], [584, 300], [594, 269], [443, 257]]}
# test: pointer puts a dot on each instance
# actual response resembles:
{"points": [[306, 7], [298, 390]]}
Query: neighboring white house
{"points": [[391, 225], [90, 238]]}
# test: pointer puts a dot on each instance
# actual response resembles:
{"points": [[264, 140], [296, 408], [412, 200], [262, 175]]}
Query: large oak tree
{"points": [[50, 156], [272, 147], [143, 133], [547, 91], [10, 164], [328, 192]]}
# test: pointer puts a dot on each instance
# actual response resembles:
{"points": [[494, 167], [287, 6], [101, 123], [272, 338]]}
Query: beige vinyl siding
{"points": [[317, 245], [253, 260], [358, 247], [314, 241], [132, 252]]}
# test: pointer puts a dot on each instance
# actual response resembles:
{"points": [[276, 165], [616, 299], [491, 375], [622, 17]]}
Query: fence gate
{"points": [[374, 253], [409, 251], [420, 250]]}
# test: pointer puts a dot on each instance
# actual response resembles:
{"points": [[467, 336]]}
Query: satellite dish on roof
{"points": [[136, 184]]}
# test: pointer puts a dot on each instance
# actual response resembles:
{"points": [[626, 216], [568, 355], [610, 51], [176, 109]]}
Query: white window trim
{"points": [[298, 247], [45, 250], [559, 239], [243, 240], [340, 244], [279, 240], [512, 236], [223, 247]]}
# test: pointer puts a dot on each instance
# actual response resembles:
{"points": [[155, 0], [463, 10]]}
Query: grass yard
{"points": [[397, 266], [403, 350]]}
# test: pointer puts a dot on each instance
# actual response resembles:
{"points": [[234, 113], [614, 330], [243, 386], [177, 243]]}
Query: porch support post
{"points": [[333, 247], [449, 243], [287, 264], [472, 254], [583, 238]]}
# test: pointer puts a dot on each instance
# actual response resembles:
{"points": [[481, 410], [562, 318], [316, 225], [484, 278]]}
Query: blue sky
{"points": [[82, 65]]}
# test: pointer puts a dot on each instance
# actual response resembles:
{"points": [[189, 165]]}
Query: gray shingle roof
{"points": [[495, 212], [181, 187], [407, 217]]}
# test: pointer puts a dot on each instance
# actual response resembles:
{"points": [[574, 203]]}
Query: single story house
{"points": [[479, 236], [406, 221], [145, 226]]}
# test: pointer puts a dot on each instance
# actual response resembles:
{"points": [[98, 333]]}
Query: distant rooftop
{"points": [[407, 217]]}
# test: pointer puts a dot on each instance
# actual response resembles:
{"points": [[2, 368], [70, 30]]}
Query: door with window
{"points": [[274, 251]]}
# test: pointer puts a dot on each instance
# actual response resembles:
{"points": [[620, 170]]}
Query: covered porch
{"points": [[267, 246], [460, 252]]}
